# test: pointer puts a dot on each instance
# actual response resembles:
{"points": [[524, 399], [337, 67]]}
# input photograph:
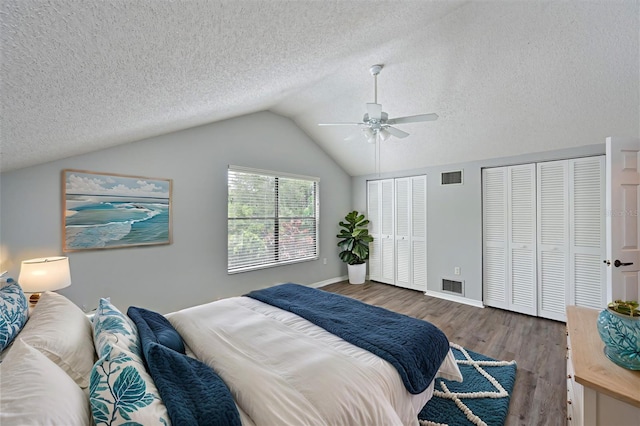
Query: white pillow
{"points": [[62, 332], [35, 391]]}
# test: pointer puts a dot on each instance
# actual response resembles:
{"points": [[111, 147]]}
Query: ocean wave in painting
{"points": [[92, 222]]}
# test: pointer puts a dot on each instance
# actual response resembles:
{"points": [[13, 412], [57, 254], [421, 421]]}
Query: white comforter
{"points": [[284, 370]]}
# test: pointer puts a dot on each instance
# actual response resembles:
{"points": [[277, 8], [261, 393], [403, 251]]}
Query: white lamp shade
{"points": [[44, 274], [368, 133], [384, 134]]}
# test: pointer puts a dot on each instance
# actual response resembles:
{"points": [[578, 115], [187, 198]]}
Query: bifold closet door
{"points": [[402, 237], [380, 212], [410, 232], [543, 232], [570, 236], [494, 231], [419, 233], [587, 272], [397, 211], [387, 240], [553, 239], [373, 214], [509, 229], [521, 238]]}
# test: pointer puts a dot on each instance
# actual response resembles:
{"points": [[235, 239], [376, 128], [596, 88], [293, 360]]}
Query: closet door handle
{"points": [[617, 263]]}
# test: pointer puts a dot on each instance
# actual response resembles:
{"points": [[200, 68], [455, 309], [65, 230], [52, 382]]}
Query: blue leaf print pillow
{"points": [[122, 392], [14, 312], [112, 327]]}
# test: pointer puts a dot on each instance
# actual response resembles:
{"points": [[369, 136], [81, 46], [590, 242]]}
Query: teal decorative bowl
{"points": [[621, 337]]}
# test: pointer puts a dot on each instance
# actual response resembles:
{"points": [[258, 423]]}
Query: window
{"points": [[272, 219]]}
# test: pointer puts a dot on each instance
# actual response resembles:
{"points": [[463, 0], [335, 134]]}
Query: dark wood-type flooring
{"points": [[537, 345]]}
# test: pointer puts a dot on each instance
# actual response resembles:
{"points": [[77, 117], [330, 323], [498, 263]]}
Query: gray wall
{"points": [[192, 270], [454, 215]]}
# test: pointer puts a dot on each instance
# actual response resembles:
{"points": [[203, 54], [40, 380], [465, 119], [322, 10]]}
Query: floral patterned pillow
{"points": [[112, 327], [13, 312], [122, 392]]}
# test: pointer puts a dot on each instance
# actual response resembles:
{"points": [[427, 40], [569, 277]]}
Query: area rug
{"points": [[481, 399]]}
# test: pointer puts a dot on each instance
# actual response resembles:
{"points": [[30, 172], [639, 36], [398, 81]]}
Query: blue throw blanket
{"points": [[415, 348], [192, 392]]}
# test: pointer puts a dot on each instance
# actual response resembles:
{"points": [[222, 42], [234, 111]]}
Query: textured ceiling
{"points": [[505, 77]]}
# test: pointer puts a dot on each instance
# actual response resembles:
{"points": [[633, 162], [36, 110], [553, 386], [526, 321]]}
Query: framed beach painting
{"points": [[103, 211]]}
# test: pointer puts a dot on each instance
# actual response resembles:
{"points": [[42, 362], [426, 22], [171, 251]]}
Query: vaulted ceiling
{"points": [[505, 77]]}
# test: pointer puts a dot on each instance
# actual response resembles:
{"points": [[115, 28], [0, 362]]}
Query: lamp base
{"points": [[33, 299]]}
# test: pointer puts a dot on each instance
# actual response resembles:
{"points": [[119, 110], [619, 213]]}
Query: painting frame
{"points": [[110, 210]]}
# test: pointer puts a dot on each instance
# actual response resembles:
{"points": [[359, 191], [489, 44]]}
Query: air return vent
{"points": [[451, 178], [452, 286]]}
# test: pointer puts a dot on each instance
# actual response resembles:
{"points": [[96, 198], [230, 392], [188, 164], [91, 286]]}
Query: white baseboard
{"points": [[454, 298], [329, 281]]}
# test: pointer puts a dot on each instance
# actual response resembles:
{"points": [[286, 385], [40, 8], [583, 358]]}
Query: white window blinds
{"points": [[272, 219]]}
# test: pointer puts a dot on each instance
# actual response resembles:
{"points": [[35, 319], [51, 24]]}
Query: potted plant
{"points": [[354, 245], [619, 329]]}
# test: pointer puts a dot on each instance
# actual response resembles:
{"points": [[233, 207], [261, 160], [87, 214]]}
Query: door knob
{"points": [[617, 263]]}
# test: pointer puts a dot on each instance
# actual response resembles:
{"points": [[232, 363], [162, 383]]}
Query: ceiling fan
{"points": [[376, 123]]}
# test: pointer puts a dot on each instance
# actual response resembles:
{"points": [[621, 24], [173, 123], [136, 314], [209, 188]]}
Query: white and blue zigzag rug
{"points": [[481, 399]]}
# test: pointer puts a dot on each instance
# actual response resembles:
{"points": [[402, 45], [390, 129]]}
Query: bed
{"points": [[242, 360]]}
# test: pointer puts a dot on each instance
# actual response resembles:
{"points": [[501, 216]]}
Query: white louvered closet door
{"points": [[553, 239], [494, 230], [522, 239], [403, 243], [419, 232], [587, 232], [373, 214], [387, 240]]}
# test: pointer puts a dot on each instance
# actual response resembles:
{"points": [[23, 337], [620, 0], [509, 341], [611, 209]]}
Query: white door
{"points": [[419, 232], [509, 228], [494, 230], [387, 240], [403, 244], [373, 213], [553, 239], [622, 219], [521, 238], [587, 276]]}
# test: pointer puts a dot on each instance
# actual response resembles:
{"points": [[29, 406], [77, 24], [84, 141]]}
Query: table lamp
{"points": [[44, 274]]}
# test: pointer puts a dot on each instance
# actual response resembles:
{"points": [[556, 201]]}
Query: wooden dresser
{"points": [[599, 391]]}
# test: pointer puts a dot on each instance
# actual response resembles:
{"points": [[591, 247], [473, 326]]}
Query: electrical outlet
{"points": [[456, 270], [324, 261]]}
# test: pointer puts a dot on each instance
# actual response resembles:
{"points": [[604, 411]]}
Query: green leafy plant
{"points": [[625, 307], [354, 239]]}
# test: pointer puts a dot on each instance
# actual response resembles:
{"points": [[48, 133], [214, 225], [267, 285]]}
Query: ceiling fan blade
{"points": [[340, 124], [374, 111], [396, 132], [413, 119]]}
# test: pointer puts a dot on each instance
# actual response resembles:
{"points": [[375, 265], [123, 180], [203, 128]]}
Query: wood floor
{"points": [[537, 345]]}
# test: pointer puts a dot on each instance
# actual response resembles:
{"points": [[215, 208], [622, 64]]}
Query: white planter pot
{"points": [[357, 273]]}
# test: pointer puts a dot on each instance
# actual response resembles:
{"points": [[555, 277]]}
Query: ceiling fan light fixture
{"points": [[384, 134], [369, 134]]}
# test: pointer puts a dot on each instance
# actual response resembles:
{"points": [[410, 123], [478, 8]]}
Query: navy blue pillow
{"points": [[192, 392], [157, 328]]}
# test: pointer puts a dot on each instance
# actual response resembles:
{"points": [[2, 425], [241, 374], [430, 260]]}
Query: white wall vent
{"points": [[453, 286], [451, 178]]}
